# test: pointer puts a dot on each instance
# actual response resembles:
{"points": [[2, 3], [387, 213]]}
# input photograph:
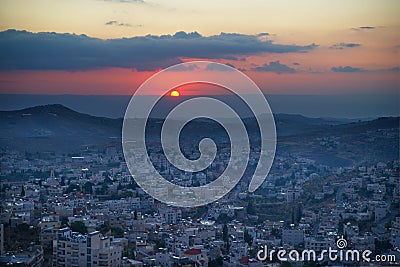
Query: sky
{"points": [[110, 47]]}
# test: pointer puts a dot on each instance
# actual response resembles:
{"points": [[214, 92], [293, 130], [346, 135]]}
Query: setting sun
{"points": [[174, 93]]}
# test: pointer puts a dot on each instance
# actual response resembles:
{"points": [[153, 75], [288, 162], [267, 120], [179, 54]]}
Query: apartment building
{"points": [[72, 249]]}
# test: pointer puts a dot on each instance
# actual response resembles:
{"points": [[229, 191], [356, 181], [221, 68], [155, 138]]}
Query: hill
{"points": [[59, 129]]}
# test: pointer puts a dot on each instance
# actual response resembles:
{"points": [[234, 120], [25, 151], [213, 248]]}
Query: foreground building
{"points": [[91, 250]]}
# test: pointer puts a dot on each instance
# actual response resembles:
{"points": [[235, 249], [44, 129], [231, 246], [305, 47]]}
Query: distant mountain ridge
{"points": [[358, 106], [55, 120], [61, 129]]}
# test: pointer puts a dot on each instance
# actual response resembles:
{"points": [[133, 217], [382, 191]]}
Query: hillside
{"points": [[58, 129]]}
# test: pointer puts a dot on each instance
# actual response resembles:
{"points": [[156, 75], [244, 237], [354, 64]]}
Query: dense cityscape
{"points": [[150, 133], [85, 209]]}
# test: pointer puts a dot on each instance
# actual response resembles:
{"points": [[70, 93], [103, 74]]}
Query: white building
{"points": [[292, 194], [197, 255], [170, 215], [48, 229], [93, 249], [238, 250]]}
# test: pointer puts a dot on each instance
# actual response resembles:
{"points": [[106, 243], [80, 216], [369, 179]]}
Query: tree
{"points": [[223, 218], [71, 188], [248, 238], [23, 227], [200, 211], [250, 208], [132, 185], [64, 221], [225, 234], [159, 244], [104, 228], [125, 194], [117, 232], [87, 187], [299, 213], [22, 191], [78, 226], [104, 189], [107, 180], [216, 263]]}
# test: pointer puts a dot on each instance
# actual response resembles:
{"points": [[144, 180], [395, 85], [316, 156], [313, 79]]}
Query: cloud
{"points": [[54, 51], [116, 23], [352, 69], [361, 28], [341, 46], [184, 35], [393, 69], [218, 67], [111, 22], [296, 63], [275, 66], [263, 36], [185, 67], [367, 27], [347, 69]]}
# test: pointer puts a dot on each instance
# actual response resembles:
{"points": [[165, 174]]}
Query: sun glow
{"points": [[174, 93]]}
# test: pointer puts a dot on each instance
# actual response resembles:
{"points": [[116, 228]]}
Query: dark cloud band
{"points": [[341, 46], [53, 51], [275, 66], [347, 69]]}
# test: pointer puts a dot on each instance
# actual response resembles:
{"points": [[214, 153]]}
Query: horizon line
{"points": [[183, 95]]}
